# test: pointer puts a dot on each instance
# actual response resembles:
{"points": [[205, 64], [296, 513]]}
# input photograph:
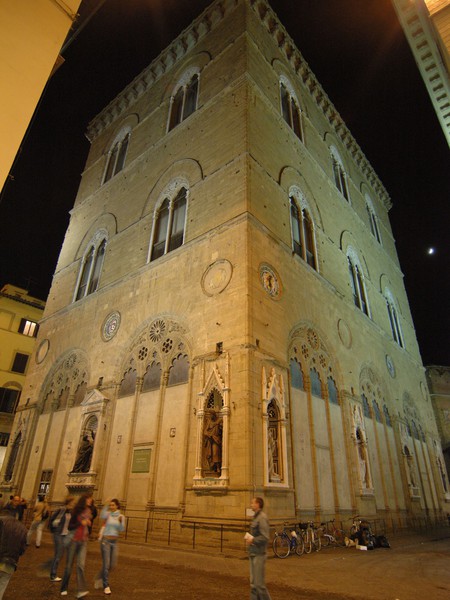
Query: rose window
{"points": [[157, 330]]}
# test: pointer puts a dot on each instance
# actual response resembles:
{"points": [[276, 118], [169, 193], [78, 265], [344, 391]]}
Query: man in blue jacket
{"points": [[257, 542]]}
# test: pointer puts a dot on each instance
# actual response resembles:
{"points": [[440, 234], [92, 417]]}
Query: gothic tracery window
{"points": [[357, 285], [184, 100], [394, 320], [340, 176], [169, 225], [116, 156], [91, 268], [302, 233], [290, 108], [373, 220]]}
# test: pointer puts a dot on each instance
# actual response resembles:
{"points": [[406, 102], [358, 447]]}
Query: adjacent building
{"points": [[228, 317], [25, 27], [20, 314], [426, 24]]}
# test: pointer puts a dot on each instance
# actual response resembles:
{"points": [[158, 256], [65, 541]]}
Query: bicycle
{"points": [[285, 543], [310, 536], [332, 536]]}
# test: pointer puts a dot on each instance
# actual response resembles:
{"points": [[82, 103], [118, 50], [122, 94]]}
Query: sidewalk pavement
{"points": [[416, 566]]}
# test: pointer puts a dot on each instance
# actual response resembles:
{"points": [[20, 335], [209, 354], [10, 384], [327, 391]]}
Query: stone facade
{"points": [[228, 316], [439, 385]]}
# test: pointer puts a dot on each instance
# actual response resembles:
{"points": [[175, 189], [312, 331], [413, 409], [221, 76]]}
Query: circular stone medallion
{"points": [[110, 326], [345, 335], [216, 277], [270, 281], [42, 351], [390, 366]]}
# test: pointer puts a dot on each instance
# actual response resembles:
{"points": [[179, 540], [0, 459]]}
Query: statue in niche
{"points": [[410, 465], [362, 465], [443, 475], [273, 454], [84, 454], [212, 435]]}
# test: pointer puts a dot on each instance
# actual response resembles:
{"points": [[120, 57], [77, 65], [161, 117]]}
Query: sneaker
{"points": [[98, 583], [82, 594], [55, 579], [64, 593], [107, 590]]}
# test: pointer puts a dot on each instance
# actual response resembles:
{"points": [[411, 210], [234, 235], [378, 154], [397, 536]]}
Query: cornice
{"points": [[191, 36], [287, 46], [166, 60]]}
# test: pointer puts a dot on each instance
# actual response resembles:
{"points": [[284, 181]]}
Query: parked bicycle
{"points": [[288, 541], [311, 537], [331, 535]]}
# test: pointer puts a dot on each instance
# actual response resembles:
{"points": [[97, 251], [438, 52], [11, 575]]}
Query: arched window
{"points": [[296, 375], [169, 225], [184, 99], [116, 155], [91, 267], [302, 229], [290, 107], [376, 411], [357, 283], [393, 318], [340, 176], [373, 220], [179, 370], [152, 377], [332, 391], [387, 416], [316, 386], [366, 408]]}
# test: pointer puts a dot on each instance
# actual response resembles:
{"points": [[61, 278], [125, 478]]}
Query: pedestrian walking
{"points": [[59, 528], [13, 542], [257, 541], [13, 506], [76, 543], [40, 516], [113, 523]]}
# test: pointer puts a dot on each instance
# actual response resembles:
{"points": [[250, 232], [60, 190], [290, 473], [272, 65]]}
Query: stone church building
{"points": [[228, 317]]}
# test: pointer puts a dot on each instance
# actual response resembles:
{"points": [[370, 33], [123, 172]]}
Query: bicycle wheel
{"points": [[308, 541], [317, 542], [300, 547], [326, 540], [281, 545]]}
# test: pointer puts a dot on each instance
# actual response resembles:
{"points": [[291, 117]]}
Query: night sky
{"points": [[359, 54]]}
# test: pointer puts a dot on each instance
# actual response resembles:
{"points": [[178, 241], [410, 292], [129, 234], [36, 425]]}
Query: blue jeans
{"points": [[58, 541], [110, 553], [77, 549], [258, 590]]}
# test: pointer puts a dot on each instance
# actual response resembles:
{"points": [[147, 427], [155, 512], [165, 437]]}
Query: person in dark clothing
{"points": [[13, 542], [13, 506], [257, 541], [59, 527]]}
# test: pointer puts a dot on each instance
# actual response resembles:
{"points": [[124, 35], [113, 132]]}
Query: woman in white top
{"points": [[113, 522]]}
